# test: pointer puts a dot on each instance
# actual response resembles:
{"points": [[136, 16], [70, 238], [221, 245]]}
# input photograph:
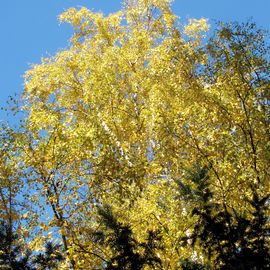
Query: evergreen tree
{"points": [[50, 258], [10, 250], [231, 239], [11, 256], [125, 247]]}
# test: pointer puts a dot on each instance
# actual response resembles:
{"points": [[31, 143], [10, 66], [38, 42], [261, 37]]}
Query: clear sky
{"points": [[30, 30]]}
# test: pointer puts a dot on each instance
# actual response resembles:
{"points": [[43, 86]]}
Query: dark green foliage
{"points": [[125, 248], [10, 251], [11, 254], [191, 265], [50, 258], [232, 240]]}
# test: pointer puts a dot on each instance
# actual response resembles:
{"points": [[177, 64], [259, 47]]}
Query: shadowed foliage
{"points": [[231, 239], [125, 248], [10, 250]]}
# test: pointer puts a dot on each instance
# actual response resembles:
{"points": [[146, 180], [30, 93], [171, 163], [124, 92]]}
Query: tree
{"points": [[50, 258], [233, 239], [121, 117], [127, 252], [10, 255], [10, 181]]}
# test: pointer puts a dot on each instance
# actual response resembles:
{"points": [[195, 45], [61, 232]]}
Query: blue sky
{"points": [[30, 30]]}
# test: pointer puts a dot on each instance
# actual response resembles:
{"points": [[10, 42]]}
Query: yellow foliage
{"points": [[122, 115]]}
